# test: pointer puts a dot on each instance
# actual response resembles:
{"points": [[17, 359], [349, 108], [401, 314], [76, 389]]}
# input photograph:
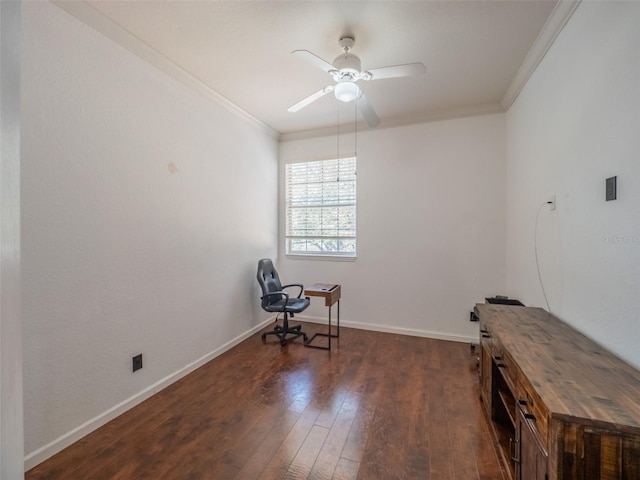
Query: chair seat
{"points": [[294, 305]]}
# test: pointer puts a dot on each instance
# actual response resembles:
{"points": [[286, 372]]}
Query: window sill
{"points": [[327, 258]]}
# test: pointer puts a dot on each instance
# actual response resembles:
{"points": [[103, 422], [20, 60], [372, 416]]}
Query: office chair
{"points": [[276, 300]]}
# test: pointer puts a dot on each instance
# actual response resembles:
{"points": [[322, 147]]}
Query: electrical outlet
{"points": [[552, 202], [137, 362]]}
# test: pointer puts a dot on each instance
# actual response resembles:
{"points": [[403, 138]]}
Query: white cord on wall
{"points": [[535, 249]]}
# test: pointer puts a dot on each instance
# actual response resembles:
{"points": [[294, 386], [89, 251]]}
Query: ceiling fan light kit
{"points": [[347, 91], [346, 71]]}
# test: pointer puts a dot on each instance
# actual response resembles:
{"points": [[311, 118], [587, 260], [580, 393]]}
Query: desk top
{"points": [[329, 291], [321, 287]]}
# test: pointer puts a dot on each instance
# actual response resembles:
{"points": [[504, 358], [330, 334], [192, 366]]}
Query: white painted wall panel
{"points": [[575, 124], [145, 208], [431, 208]]}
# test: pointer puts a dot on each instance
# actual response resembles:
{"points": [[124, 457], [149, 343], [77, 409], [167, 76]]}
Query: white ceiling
{"points": [[242, 50]]}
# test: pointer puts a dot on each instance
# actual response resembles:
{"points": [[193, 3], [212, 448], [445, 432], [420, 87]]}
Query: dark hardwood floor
{"points": [[377, 407]]}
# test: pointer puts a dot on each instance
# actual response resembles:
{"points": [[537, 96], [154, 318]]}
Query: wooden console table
{"points": [[561, 406], [331, 294]]}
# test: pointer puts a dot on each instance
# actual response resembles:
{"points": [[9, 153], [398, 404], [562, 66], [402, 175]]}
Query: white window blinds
{"points": [[321, 207]]}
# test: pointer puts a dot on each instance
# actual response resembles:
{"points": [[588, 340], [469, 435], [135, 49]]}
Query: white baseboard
{"points": [[40, 455], [376, 327]]}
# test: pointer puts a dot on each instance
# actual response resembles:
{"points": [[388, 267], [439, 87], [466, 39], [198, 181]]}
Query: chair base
{"points": [[281, 331]]}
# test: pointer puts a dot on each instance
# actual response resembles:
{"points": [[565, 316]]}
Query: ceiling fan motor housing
{"points": [[347, 64]]}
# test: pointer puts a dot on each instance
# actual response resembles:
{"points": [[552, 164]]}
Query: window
{"points": [[321, 207]]}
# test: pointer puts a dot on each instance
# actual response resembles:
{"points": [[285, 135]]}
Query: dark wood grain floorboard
{"points": [[379, 406]]}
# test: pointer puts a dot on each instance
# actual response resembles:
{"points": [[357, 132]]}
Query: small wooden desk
{"points": [[331, 294]]}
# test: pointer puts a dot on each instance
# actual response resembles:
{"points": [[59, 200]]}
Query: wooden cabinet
{"points": [[561, 406]]}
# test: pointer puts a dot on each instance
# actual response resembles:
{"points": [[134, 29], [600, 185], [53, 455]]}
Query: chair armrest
{"points": [[279, 294], [299, 285]]}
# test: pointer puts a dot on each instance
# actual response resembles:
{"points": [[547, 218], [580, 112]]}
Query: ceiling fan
{"points": [[347, 72]]}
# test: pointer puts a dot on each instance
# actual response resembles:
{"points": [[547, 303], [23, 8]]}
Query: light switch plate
{"points": [[611, 190]]}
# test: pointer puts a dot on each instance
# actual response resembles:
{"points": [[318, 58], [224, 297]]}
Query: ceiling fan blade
{"points": [[307, 56], [367, 111], [406, 70], [311, 98]]}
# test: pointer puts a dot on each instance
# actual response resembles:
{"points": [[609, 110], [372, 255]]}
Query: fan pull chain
{"points": [[355, 134], [338, 131]]}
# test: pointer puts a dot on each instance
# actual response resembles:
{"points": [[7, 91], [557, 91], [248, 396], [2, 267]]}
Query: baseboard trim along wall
{"points": [[376, 327], [40, 455]]}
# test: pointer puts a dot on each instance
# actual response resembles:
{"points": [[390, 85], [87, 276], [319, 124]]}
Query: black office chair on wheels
{"points": [[276, 300]]}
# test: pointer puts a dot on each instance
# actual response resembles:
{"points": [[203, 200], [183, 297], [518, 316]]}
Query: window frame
{"points": [[287, 237]]}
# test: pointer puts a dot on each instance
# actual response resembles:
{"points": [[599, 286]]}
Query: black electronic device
{"points": [[502, 300]]}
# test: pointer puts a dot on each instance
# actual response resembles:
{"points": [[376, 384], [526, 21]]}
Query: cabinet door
{"points": [[533, 458], [485, 372], [485, 369]]}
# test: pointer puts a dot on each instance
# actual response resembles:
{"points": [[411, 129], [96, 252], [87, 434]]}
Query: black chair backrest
{"points": [[269, 281]]}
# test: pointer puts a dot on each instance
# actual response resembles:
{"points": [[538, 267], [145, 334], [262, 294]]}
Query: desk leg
{"points": [[329, 335], [329, 328]]}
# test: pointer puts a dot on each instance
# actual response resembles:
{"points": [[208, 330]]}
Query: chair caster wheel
{"points": [[306, 339], [264, 338]]}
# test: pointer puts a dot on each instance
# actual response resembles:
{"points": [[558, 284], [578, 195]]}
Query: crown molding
{"points": [[95, 19], [425, 117], [561, 14], [559, 17]]}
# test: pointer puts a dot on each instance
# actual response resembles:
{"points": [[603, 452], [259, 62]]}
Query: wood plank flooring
{"points": [[377, 407]]}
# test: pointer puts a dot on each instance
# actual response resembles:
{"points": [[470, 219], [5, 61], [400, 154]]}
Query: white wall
{"points": [[431, 208], [144, 210], [11, 426], [574, 125]]}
